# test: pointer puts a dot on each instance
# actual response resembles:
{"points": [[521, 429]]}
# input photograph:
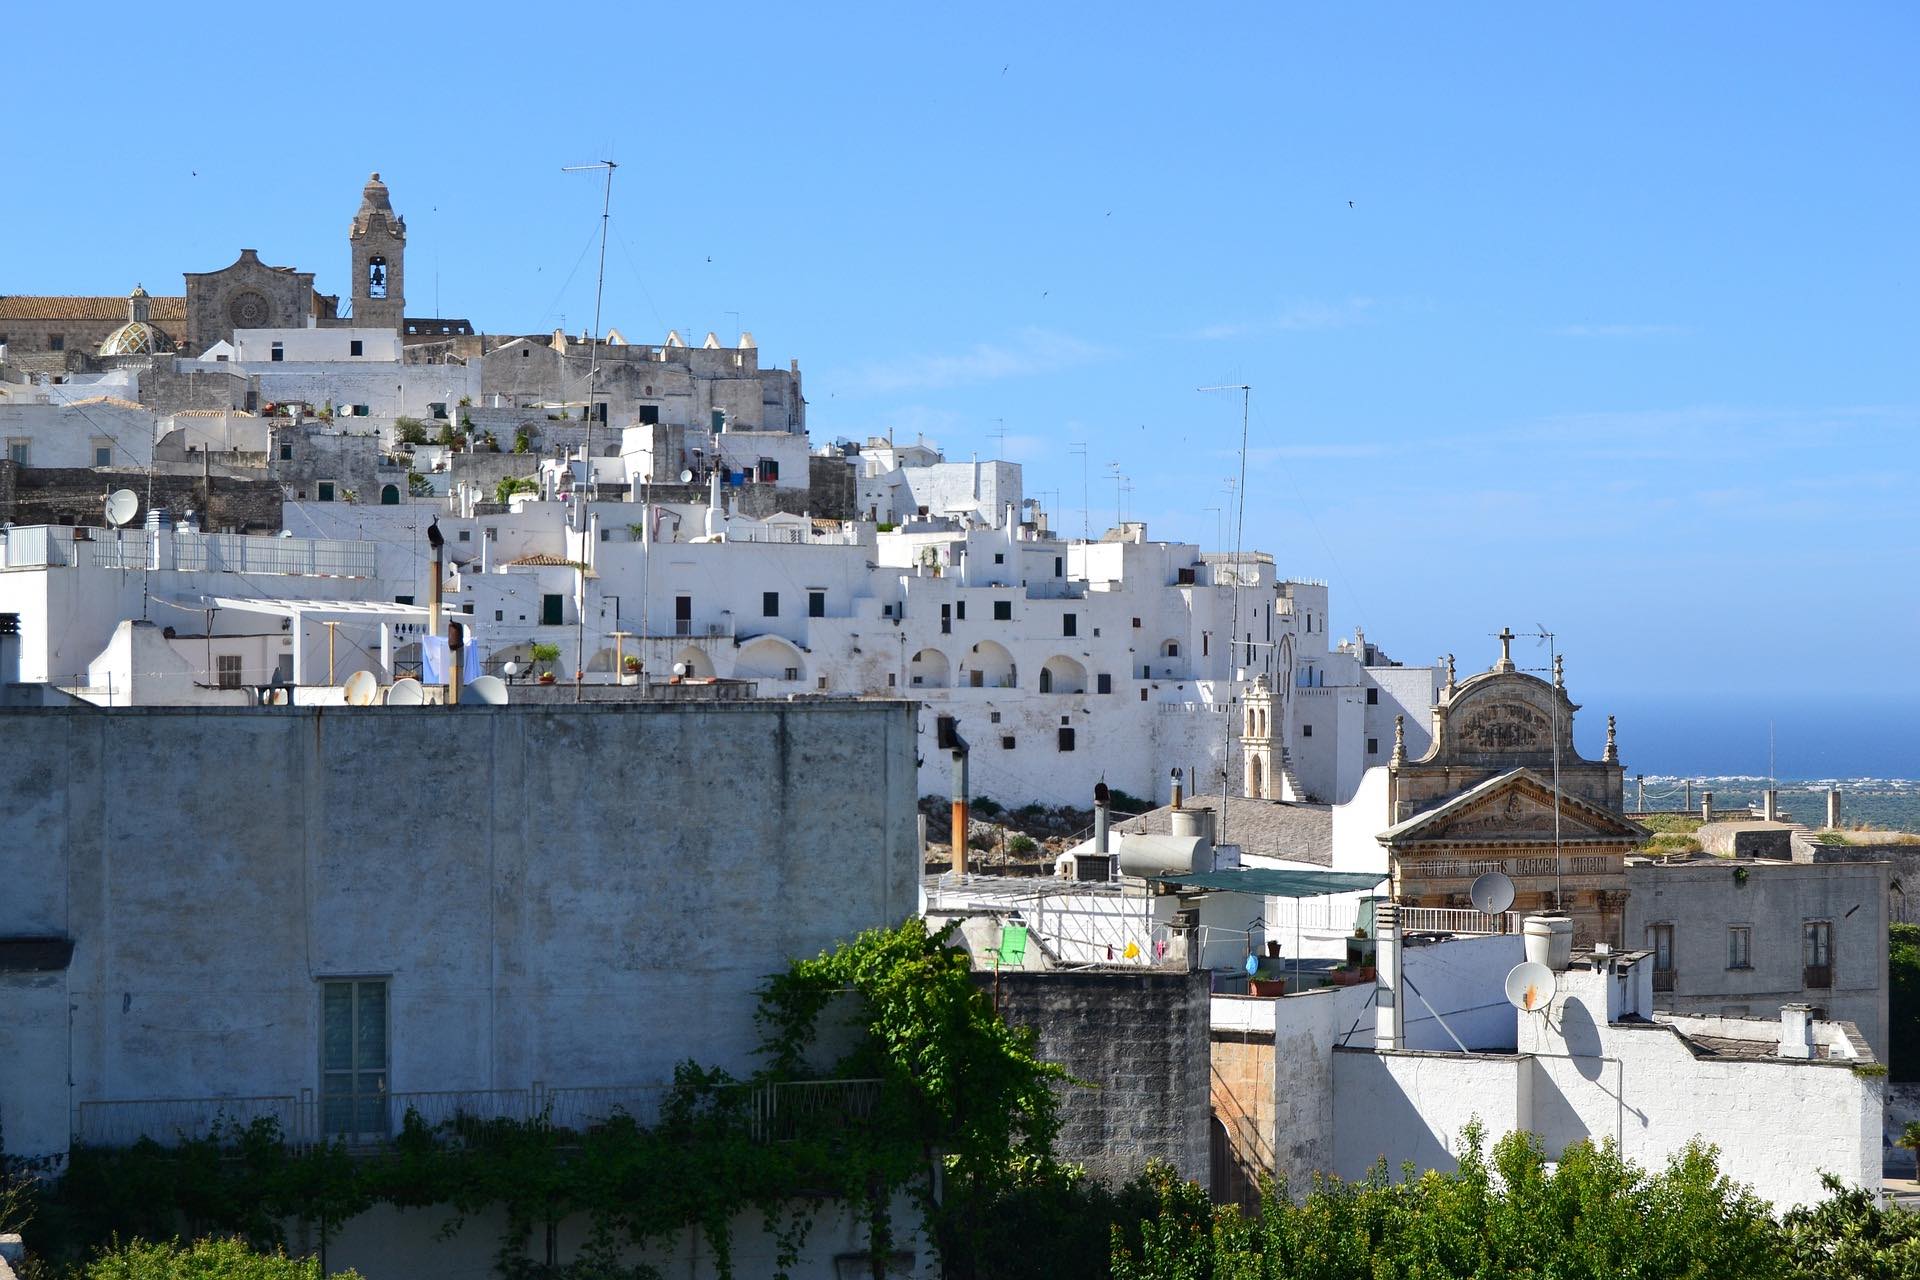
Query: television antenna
{"points": [[1546, 637], [1239, 532]]}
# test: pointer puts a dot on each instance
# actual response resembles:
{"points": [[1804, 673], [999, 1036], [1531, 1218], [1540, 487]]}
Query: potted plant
{"points": [[630, 670], [544, 656]]}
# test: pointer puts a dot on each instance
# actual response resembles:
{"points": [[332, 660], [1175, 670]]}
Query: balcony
{"points": [[1663, 979], [763, 1113]]}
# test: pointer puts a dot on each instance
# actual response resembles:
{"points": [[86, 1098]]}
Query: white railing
{"points": [[1456, 920], [49, 546]]}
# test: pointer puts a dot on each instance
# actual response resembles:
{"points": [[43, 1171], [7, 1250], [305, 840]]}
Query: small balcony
{"points": [[1663, 979]]}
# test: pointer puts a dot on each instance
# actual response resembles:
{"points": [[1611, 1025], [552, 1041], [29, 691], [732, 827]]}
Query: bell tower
{"points": [[379, 240], [1257, 741]]}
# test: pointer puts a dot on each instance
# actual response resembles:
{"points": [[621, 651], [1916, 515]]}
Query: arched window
{"points": [[1255, 782], [376, 277], [1046, 680], [390, 495]]}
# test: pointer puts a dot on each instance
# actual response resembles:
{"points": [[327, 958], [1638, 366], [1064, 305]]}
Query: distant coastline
{"points": [[1892, 803]]}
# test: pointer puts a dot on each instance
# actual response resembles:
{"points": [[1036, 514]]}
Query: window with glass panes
{"points": [[353, 1056]]}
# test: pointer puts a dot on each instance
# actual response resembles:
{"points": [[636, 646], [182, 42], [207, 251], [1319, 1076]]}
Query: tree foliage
{"points": [[1903, 1001], [207, 1259]]}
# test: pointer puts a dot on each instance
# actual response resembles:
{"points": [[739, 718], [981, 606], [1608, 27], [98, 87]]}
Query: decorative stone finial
{"points": [[1612, 754], [1559, 672], [1449, 675], [1506, 650], [1399, 740]]}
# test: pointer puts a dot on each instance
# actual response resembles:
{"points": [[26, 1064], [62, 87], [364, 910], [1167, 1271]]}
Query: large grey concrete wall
{"points": [[570, 895], [1141, 1039]]}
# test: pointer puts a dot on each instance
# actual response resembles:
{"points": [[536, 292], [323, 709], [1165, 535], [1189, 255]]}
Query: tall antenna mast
{"points": [[1233, 635], [593, 378], [1558, 692]]}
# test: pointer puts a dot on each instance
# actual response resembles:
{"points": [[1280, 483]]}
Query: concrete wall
{"points": [[571, 895], [1141, 1039], [1704, 899], [1412, 1106]]}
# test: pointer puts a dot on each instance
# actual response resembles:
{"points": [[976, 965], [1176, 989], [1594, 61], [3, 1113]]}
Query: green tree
{"points": [[410, 430], [210, 1259], [504, 491], [1910, 1140], [1903, 1002], [1851, 1236]]}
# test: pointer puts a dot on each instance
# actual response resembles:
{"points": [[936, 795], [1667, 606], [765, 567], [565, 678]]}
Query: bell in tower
{"points": [[379, 240]]}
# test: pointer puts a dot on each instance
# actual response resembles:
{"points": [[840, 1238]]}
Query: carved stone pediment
{"points": [[1516, 806]]}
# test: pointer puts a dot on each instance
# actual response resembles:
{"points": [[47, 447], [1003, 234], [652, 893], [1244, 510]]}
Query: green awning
{"points": [[1270, 882]]}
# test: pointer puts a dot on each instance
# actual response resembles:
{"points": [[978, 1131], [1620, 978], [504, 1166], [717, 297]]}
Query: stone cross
{"points": [[1506, 648]]}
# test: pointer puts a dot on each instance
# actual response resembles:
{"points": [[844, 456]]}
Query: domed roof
{"points": [[137, 338]]}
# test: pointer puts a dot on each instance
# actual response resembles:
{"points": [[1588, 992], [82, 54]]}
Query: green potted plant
{"points": [[629, 670], [544, 656]]}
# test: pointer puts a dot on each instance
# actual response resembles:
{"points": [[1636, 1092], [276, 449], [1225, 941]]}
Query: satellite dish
{"points": [[361, 689], [491, 690], [1530, 987], [122, 506], [686, 477], [1492, 893], [406, 692]]}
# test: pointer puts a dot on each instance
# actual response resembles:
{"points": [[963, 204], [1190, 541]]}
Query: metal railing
{"points": [[770, 1113], [1663, 979], [1457, 920], [50, 546]]}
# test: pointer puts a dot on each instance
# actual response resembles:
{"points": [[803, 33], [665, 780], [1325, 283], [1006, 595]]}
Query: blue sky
{"points": [[1597, 317]]}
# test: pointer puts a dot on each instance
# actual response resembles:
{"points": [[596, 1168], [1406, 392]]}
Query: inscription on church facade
{"points": [[1506, 726]]}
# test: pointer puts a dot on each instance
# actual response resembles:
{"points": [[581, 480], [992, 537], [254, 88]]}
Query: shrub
{"points": [[410, 430], [987, 807], [1022, 845], [202, 1260]]}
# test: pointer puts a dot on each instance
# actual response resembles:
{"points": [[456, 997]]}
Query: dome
{"points": [[137, 338]]}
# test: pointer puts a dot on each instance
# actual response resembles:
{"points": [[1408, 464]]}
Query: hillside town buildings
{"points": [[726, 649]]}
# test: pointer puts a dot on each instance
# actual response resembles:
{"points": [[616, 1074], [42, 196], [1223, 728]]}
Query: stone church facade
{"points": [[1482, 799], [246, 294]]}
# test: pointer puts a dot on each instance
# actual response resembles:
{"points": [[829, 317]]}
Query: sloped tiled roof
{"points": [[29, 307], [1301, 832], [112, 401]]}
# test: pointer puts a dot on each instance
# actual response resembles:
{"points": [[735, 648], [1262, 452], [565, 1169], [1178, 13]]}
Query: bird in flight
{"points": [[1349, 204]]}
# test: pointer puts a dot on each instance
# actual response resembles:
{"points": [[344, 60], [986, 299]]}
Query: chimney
{"points": [[1388, 1029], [947, 736], [1796, 1031], [161, 552], [1706, 806], [1770, 805], [1102, 818], [1833, 807], [457, 649], [1176, 789]]}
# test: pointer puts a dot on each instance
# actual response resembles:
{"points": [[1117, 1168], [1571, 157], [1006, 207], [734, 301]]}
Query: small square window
{"points": [[228, 667], [892, 680], [649, 413], [466, 535], [1306, 731], [1143, 695], [467, 607], [499, 615], [1059, 567], [1006, 742], [1373, 697], [1003, 611], [823, 682], [816, 604], [993, 717], [1103, 683], [1069, 624], [325, 493], [792, 673], [286, 453], [1066, 719], [1373, 746], [56, 342], [354, 347], [103, 456], [1066, 739], [1136, 624], [960, 610], [999, 557], [278, 354], [770, 604], [1740, 946]]}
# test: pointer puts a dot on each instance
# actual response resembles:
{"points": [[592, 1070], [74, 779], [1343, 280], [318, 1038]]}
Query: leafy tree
{"points": [[1851, 1236], [1903, 1001], [510, 485], [410, 430], [1910, 1139], [209, 1259]]}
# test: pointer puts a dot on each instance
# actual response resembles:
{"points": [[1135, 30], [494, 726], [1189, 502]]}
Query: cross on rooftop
{"points": [[1506, 648]]}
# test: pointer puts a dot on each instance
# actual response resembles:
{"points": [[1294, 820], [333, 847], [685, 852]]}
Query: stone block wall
{"points": [[1243, 1107], [74, 495], [1141, 1038]]}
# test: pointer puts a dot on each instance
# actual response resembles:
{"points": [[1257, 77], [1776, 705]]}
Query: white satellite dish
{"points": [[1492, 893], [361, 689], [122, 506], [406, 692], [686, 477], [491, 690], [1530, 987]]}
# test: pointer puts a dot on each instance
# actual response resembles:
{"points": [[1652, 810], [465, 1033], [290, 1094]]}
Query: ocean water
{"points": [[1890, 803]]}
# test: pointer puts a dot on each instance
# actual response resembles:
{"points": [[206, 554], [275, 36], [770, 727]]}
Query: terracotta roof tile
{"points": [[30, 307]]}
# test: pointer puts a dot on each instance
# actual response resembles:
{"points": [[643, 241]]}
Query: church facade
{"points": [[1482, 799], [248, 293]]}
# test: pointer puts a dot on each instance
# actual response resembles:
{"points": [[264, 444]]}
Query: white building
{"points": [[92, 431], [1337, 1079], [355, 373]]}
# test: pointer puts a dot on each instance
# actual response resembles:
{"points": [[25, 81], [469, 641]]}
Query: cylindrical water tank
{"points": [[1548, 940]]}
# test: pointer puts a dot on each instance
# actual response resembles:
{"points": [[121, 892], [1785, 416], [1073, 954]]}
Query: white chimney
{"points": [[1796, 1031], [1388, 1024]]}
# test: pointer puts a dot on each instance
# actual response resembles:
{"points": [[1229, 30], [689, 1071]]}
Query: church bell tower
{"points": [[1257, 742], [379, 240]]}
